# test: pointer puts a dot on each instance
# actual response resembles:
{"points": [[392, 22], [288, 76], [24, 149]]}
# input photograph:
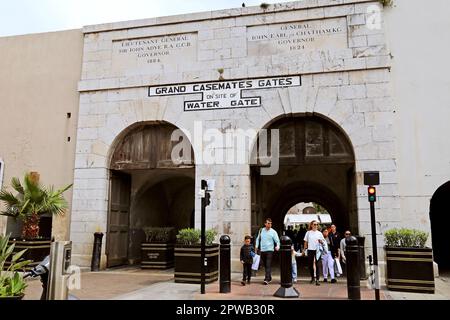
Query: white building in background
{"points": [[350, 85]]}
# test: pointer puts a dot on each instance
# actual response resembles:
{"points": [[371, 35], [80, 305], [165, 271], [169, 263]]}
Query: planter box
{"points": [[157, 255], [410, 269], [37, 250], [188, 264]]}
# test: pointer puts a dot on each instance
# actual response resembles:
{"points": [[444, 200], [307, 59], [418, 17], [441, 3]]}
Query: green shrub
{"points": [[12, 283], [210, 236], [153, 234], [191, 236], [405, 238]]}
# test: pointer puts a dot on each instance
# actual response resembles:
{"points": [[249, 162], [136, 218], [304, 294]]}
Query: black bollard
{"points": [[353, 268], [225, 264], [97, 251], [362, 258], [286, 290]]}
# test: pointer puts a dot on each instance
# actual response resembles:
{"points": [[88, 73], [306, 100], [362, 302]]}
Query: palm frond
{"points": [[9, 198], [32, 189], [15, 183]]}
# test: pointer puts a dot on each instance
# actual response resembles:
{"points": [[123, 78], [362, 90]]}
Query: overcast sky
{"points": [[32, 16]]}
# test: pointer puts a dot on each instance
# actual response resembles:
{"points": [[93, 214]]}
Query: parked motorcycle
{"points": [[41, 270]]}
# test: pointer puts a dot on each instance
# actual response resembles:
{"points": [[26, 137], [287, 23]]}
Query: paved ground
{"points": [[442, 290], [136, 284]]}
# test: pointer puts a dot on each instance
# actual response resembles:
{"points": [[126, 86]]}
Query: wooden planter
{"points": [[409, 269], [157, 255], [37, 250], [188, 264], [12, 298]]}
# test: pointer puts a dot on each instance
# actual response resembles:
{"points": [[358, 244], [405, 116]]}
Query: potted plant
{"points": [[28, 205], [188, 256], [157, 251], [409, 263], [12, 284]]}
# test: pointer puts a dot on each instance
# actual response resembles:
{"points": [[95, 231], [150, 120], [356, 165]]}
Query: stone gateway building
{"points": [[344, 86]]}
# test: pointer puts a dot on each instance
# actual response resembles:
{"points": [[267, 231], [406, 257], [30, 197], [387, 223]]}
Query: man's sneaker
{"points": [[312, 281], [325, 280], [266, 282], [333, 280], [243, 282], [317, 283]]}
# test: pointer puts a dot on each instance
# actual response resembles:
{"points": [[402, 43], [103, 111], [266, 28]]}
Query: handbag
{"points": [[256, 260], [337, 266]]}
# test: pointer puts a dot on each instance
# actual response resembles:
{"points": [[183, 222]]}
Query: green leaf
{"points": [[19, 265], [18, 255]]}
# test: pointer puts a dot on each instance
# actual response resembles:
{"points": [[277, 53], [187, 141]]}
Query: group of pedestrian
{"points": [[325, 247]]}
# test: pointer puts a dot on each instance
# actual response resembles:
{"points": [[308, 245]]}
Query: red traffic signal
{"points": [[372, 193]]}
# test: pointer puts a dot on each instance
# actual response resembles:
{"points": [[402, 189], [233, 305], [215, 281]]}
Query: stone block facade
{"points": [[345, 77]]}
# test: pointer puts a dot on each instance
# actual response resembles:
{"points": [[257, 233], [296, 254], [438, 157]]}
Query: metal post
{"points": [[60, 257], [286, 290], [203, 239], [97, 251], [225, 264], [353, 268], [374, 249]]}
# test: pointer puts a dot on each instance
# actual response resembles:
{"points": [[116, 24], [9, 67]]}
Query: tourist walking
{"points": [[267, 242], [294, 255], [342, 248], [313, 238], [335, 239], [327, 259], [246, 257]]}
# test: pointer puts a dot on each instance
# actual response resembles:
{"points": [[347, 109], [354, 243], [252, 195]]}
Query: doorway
{"points": [[148, 188], [316, 164], [440, 220]]}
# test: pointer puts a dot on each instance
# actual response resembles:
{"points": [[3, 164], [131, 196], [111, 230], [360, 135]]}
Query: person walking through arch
{"points": [[327, 259], [342, 249], [313, 238], [335, 240], [267, 241]]}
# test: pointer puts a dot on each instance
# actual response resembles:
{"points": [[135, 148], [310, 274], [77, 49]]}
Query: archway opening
{"points": [[150, 187], [440, 220], [316, 164]]}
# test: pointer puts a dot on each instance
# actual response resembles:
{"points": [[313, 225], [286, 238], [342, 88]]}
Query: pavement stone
{"points": [[136, 284]]}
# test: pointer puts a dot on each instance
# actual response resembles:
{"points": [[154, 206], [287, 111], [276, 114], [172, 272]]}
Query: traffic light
{"points": [[372, 193]]}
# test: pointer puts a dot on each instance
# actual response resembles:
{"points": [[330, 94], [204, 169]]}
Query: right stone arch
{"points": [[317, 164]]}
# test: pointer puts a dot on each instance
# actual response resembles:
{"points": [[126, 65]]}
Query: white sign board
{"points": [[223, 94], [153, 54], [297, 37]]}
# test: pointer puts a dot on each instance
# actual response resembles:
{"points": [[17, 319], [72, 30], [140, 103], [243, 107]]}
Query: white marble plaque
{"points": [[297, 37], [153, 54]]}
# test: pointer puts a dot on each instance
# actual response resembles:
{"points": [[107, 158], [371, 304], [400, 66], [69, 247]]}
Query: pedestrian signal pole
{"points": [[206, 188], [372, 179]]}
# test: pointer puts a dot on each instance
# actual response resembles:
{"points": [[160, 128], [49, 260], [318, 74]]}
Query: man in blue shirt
{"points": [[267, 241]]}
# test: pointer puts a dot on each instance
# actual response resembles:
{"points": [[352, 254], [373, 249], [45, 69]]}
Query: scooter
{"points": [[42, 270]]}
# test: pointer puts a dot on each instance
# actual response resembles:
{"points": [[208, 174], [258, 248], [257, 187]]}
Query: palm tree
{"points": [[32, 200]]}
